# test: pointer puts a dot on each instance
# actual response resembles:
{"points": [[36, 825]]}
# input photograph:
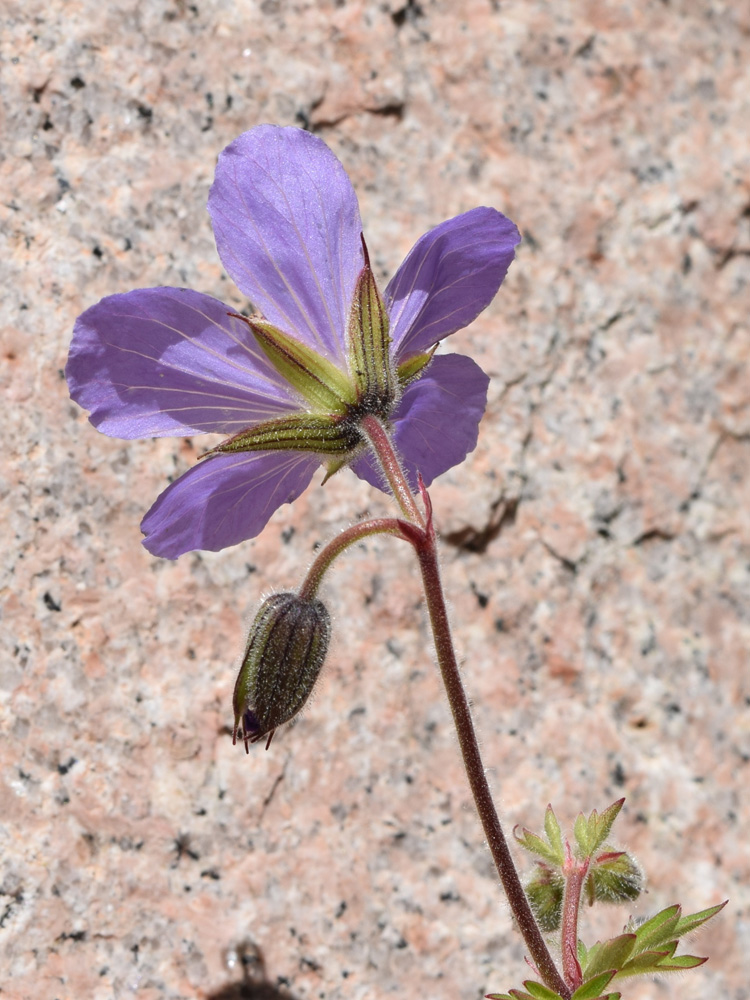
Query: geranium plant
{"points": [[328, 370]]}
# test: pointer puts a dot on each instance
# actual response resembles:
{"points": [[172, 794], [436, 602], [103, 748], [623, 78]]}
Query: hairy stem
{"points": [[394, 474], [424, 541], [480, 788], [575, 875], [376, 526]]}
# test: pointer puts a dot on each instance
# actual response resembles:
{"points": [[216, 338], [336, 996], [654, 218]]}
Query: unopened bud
{"points": [[615, 877], [545, 893], [285, 651]]}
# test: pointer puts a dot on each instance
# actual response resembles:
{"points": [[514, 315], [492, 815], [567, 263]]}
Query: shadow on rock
{"points": [[254, 984]]}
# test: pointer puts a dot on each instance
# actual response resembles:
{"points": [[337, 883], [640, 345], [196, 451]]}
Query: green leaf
{"points": [[535, 845], [584, 953], [591, 833], [498, 996], [647, 963], [681, 962], [591, 989], [603, 824], [612, 954], [554, 835], [659, 928], [694, 920], [540, 992], [582, 836]]}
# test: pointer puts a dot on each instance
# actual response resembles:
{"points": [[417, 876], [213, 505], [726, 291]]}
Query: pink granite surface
{"points": [[597, 543]]}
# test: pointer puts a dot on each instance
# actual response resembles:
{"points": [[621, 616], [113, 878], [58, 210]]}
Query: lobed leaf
{"points": [[659, 928], [603, 824], [554, 834], [539, 991], [685, 925], [592, 988], [535, 845], [647, 963], [582, 834], [681, 962], [612, 954]]}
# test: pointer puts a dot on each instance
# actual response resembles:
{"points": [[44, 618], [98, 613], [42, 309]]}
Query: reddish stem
{"points": [[425, 545], [575, 873], [391, 466], [376, 526]]}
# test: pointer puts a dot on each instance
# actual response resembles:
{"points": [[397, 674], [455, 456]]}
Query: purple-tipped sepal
{"points": [[285, 652]]}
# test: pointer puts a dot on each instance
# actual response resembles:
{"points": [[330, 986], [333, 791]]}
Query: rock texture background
{"points": [[597, 543]]}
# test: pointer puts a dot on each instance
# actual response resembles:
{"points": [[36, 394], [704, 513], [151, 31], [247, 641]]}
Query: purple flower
{"points": [[288, 385]]}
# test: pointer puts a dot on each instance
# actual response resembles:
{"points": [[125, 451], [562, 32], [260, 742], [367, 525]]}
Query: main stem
{"points": [[426, 548], [467, 738]]}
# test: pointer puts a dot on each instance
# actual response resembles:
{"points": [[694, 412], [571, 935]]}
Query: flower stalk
{"points": [[425, 545], [391, 467], [350, 536]]}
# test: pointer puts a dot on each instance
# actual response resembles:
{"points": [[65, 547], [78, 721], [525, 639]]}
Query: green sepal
{"points": [[413, 367], [316, 432], [333, 466], [369, 342], [320, 383]]}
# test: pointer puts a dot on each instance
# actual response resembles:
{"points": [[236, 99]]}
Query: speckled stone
{"points": [[596, 543]]}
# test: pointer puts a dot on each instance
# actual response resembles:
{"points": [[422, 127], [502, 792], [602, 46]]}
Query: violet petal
{"points": [[224, 500], [437, 421], [160, 361], [449, 276], [287, 228]]}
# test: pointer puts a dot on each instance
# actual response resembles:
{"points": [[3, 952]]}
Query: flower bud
{"points": [[285, 651], [545, 894], [616, 878]]}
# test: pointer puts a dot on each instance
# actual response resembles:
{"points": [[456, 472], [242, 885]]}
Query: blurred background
{"points": [[596, 544]]}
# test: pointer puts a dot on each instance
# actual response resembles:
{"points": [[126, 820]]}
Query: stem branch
{"points": [[575, 875], [331, 551]]}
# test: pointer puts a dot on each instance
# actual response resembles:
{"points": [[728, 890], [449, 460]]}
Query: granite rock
{"points": [[596, 544]]}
